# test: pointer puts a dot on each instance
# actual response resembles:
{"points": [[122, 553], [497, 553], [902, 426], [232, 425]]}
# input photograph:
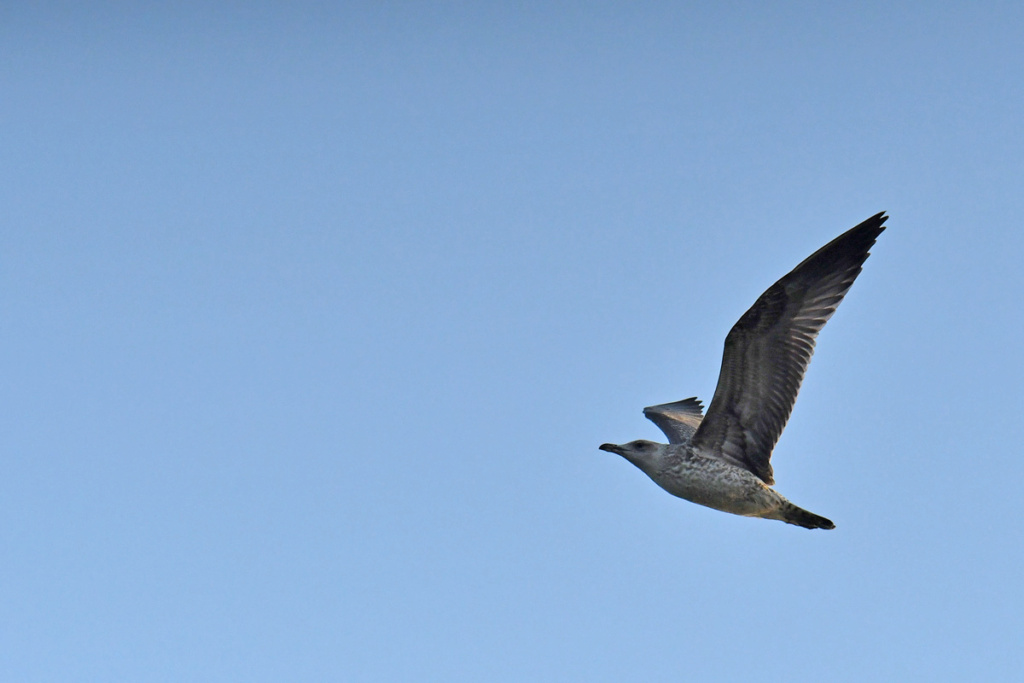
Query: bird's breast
{"points": [[713, 483]]}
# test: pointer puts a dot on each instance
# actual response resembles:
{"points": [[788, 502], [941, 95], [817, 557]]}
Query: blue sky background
{"points": [[314, 315]]}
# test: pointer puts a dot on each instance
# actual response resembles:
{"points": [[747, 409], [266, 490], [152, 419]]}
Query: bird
{"points": [[722, 460]]}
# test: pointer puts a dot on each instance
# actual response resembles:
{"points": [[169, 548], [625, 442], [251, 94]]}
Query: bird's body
{"points": [[722, 460], [707, 480]]}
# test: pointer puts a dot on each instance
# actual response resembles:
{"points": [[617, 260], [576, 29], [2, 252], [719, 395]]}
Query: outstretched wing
{"points": [[678, 420], [768, 349]]}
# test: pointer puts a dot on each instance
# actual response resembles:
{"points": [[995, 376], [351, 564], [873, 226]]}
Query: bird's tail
{"points": [[791, 514]]}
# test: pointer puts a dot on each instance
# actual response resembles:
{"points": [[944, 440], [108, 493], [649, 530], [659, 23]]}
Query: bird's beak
{"points": [[611, 448]]}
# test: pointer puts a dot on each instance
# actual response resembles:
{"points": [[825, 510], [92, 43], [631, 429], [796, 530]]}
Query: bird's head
{"points": [[647, 455]]}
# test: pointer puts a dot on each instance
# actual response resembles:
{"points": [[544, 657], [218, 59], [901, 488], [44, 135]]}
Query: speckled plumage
{"points": [[709, 481], [722, 460]]}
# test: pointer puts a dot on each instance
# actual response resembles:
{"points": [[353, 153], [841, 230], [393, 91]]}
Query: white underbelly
{"points": [[718, 485]]}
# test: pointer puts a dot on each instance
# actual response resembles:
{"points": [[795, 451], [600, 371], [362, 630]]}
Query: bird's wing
{"points": [[768, 349], [678, 420]]}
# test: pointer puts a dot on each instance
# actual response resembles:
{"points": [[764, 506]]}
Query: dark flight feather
{"points": [[767, 352], [678, 420]]}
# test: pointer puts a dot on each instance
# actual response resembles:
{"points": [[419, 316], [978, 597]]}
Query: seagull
{"points": [[722, 460]]}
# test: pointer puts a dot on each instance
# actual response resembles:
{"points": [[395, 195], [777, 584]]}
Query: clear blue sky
{"points": [[314, 315]]}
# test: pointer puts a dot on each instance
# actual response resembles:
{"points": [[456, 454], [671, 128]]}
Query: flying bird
{"points": [[722, 460]]}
